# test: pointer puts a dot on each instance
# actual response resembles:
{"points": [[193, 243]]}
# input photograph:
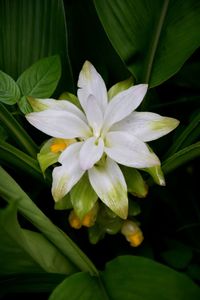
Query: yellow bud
{"points": [[132, 233], [58, 145], [135, 239], [90, 218], [74, 221]]}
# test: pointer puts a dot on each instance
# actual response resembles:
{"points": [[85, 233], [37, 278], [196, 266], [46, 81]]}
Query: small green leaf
{"points": [[71, 98], [41, 79], [9, 90], [46, 157], [119, 87], [135, 183], [83, 197]]}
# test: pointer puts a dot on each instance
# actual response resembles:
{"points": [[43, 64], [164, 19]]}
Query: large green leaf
{"points": [[29, 283], [140, 278], [31, 30], [24, 250], [80, 286], [17, 132], [12, 193], [153, 37], [129, 277]]}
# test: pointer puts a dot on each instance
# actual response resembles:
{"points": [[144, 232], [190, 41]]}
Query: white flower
{"points": [[107, 132]]}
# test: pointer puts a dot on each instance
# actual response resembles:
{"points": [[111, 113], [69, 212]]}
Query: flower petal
{"points": [[129, 150], [123, 104], [108, 182], [146, 126], [59, 124], [52, 104], [91, 152], [67, 175], [94, 115], [90, 82]]}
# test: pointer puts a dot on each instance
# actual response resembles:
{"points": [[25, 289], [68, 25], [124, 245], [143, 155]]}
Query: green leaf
{"points": [[24, 250], [119, 87], [24, 105], [135, 183], [181, 157], [138, 278], [31, 41], [17, 132], [11, 192], [178, 255], [79, 286], [13, 157], [129, 277], [154, 38], [30, 283], [188, 135], [41, 79], [83, 197], [9, 90]]}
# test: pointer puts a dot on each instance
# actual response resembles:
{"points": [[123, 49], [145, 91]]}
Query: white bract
{"points": [[107, 132]]}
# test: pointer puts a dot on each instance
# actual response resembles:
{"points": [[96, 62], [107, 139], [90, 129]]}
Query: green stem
{"points": [[17, 132]]}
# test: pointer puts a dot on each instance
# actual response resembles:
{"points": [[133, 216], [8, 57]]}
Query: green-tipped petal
{"points": [[108, 182], [157, 174], [67, 175], [90, 82], [146, 126], [129, 150], [123, 104], [119, 87], [59, 124], [52, 104], [83, 197]]}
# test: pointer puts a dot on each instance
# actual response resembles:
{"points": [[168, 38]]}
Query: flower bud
{"points": [[132, 233]]}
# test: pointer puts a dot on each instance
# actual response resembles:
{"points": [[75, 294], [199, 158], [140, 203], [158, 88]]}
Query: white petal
{"points": [[90, 82], [67, 175], [94, 115], [59, 124], [108, 182], [52, 104], [129, 150], [123, 104], [91, 152], [146, 126]]}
